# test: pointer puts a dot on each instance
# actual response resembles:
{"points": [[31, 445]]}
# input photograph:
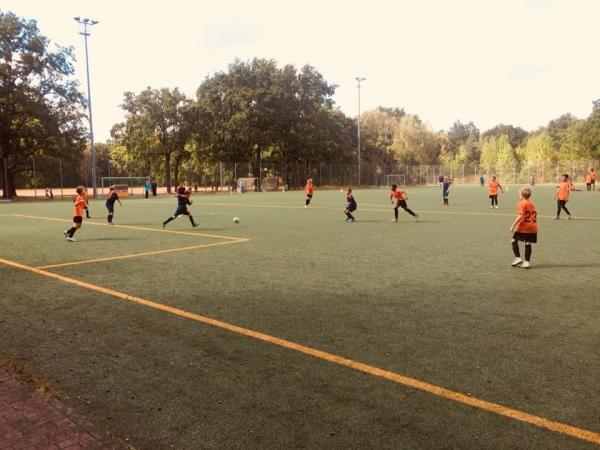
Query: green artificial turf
{"points": [[435, 300]]}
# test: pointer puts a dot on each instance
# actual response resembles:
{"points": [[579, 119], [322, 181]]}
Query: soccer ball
{"points": [[236, 220]]}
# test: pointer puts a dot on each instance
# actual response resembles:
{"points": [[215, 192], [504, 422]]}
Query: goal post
{"points": [[130, 182], [398, 179]]}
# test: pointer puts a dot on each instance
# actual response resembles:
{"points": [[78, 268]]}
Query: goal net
{"points": [[126, 185], [398, 179]]}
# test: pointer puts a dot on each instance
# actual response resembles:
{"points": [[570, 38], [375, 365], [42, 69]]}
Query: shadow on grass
{"points": [[564, 266]]}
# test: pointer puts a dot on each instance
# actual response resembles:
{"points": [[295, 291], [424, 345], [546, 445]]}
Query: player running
{"points": [[493, 186], [350, 206], [593, 174], [110, 203], [78, 206], [309, 189], [562, 196], [400, 196], [183, 200], [524, 228]]}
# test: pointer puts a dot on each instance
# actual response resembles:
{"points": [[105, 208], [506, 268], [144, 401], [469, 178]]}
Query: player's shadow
{"points": [[116, 239], [564, 266]]}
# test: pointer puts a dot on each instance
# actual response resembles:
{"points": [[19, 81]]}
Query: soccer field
{"points": [[295, 329]]}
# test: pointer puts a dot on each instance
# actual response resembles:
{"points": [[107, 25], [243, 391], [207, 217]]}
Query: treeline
{"points": [[254, 111]]}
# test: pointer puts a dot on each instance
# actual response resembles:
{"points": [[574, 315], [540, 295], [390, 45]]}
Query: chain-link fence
{"points": [[62, 177]]}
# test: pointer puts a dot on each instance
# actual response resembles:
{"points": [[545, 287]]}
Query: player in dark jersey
{"points": [[110, 203], [183, 200], [350, 206]]}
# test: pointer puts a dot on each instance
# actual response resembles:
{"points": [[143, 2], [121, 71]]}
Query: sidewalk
{"points": [[34, 423]]}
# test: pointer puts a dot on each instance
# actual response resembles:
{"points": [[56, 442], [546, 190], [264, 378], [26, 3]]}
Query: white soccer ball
{"points": [[236, 220]]}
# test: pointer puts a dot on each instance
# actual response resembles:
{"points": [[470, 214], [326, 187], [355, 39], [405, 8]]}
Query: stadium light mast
{"points": [[87, 24], [358, 80]]}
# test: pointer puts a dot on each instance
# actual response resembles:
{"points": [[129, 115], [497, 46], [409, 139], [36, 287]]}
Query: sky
{"points": [[519, 62]]}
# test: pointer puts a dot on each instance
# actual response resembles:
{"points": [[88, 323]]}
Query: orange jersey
{"points": [[593, 174], [398, 194], [309, 188], [528, 213], [494, 185], [78, 205], [562, 193], [588, 178]]}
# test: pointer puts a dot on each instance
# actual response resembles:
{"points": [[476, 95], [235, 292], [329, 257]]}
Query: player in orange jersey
{"points": [[562, 196], [588, 181], [493, 186], [309, 189], [524, 228], [78, 206], [400, 197], [593, 174]]}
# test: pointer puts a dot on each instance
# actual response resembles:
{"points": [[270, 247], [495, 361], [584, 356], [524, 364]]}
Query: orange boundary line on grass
{"points": [[135, 255], [558, 427], [133, 227]]}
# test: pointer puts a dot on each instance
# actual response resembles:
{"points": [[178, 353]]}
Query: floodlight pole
{"points": [[87, 23], [358, 80]]}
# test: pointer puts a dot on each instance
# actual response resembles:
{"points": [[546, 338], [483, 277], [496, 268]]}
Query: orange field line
{"points": [[135, 255], [558, 427], [133, 227]]}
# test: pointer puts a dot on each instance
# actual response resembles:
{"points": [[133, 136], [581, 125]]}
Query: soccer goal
{"points": [[398, 179], [130, 183]]}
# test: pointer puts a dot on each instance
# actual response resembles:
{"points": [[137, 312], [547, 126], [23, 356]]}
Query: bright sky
{"points": [[521, 62]]}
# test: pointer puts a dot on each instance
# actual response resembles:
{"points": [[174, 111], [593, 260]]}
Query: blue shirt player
{"points": [[350, 206], [446, 190], [183, 200]]}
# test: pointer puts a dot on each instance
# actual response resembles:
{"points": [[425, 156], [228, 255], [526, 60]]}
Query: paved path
{"points": [[30, 423]]}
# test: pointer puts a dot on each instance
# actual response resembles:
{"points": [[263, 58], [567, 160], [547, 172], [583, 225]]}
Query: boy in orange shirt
{"points": [[524, 228], [78, 206], [309, 188], [588, 181], [494, 185], [400, 196], [593, 174], [562, 196]]}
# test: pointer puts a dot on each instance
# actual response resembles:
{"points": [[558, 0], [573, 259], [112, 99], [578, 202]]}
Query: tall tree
{"points": [[158, 122], [516, 135], [40, 105]]}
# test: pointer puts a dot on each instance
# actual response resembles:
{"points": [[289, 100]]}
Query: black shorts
{"points": [[77, 219], [309, 195], [401, 204], [493, 195], [525, 237], [182, 210], [111, 208], [561, 202], [351, 208]]}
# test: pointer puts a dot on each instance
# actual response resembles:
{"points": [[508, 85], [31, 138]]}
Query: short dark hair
{"points": [[394, 186]]}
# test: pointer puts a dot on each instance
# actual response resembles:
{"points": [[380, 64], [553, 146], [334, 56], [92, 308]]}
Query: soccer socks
{"points": [[527, 252], [396, 213], [71, 231], [168, 220], [87, 213], [109, 217], [349, 215], [307, 202], [515, 247], [194, 224], [410, 211]]}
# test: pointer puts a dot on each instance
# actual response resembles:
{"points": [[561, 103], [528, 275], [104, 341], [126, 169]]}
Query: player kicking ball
{"points": [[350, 206], [400, 197], [78, 206], [524, 228], [183, 200]]}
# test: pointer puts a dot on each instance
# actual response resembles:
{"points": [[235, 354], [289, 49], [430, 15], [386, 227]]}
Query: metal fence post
{"points": [[62, 195]]}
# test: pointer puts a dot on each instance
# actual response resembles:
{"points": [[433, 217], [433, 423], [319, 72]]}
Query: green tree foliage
{"points": [[257, 110], [539, 148], [516, 135], [158, 125], [40, 104], [462, 143], [497, 152]]}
